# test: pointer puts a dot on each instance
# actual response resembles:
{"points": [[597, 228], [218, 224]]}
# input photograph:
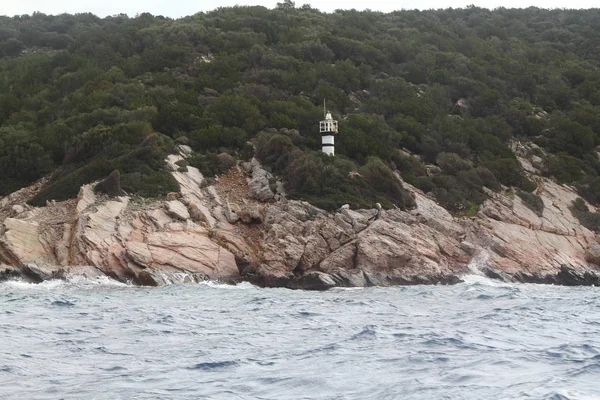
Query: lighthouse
{"points": [[328, 128]]}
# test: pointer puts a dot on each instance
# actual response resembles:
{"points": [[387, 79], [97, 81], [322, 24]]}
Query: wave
{"points": [[570, 395], [210, 366], [103, 280], [482, 280], [476, 277], [221, 285], [72, 281]]}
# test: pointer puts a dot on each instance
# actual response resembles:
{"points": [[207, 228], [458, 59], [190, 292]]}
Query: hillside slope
{"points": [[82, 96]]}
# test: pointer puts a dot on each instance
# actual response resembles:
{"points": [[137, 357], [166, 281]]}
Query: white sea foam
{"points": [[20, 284], [220, 285], [478, 279], [72, 281]]}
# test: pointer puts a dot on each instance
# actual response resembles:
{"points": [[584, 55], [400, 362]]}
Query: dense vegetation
{"points": [[590, 220], [82, 97]]}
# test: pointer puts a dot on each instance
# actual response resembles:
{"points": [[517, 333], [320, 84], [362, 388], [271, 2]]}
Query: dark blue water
{"points": [[477, 340]]}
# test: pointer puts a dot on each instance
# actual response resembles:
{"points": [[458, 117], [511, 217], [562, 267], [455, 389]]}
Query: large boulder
{"points": [[259, 183], [21, 243], [177, 210]]}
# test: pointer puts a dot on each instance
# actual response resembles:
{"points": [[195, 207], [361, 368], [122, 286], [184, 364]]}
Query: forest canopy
{"points": [[82, 96]]}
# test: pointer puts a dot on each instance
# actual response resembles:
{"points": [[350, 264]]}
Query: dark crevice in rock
{"points": [[355, 256], [242, 264]]}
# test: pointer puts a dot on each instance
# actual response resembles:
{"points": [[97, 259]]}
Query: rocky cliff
{"points": [[241, 227]]}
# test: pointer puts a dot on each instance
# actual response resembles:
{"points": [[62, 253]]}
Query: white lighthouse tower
{"points": [[328, 128]]}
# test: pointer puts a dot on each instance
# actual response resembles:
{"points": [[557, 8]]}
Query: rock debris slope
{"points": [[243, 228]]}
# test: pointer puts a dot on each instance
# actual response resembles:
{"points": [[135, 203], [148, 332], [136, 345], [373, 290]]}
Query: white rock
{"points": [[176, 209]]}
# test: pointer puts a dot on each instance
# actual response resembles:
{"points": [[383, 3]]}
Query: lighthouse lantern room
{"points": [[328, 128]]}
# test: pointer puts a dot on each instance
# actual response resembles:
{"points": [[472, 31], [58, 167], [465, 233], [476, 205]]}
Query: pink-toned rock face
{"points": [[21, 243], [151, 245], [188, 251], [217, 231], [515, 239]]}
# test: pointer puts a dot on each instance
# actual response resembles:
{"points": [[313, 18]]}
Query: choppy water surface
{"points": [[477, 340]]}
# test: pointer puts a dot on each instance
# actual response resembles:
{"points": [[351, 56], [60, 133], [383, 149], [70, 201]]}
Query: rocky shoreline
{"points": [[242, 228]]}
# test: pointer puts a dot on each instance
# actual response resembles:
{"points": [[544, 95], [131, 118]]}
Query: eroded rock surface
{"points": [[243, 227]]}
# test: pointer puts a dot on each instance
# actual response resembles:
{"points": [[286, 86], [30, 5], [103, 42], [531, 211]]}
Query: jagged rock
{"points": [[316, 281], [389, 251], [211, 92], [433, 170], [461, 106], [21, 243], [8, 272], [177, 210], [301, 210], [495, 274], [259, 185], [570, 277], [173, 196], [566, 276], [350, 278], [194, 236], [185, 251], [231, 214], [592, 254], [357, 221], [359, 97], [185, 150], [468, 248], [39, 272], [18, 209], [537, 162]]}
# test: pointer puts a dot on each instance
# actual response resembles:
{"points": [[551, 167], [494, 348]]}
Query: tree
{"points": [[286, 5], [11, 47]]}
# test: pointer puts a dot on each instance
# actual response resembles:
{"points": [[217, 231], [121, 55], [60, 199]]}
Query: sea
{"points": [[480, 339]]}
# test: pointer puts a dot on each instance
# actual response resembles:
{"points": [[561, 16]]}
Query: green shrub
{"points": [[383, 180], [409, 165], [329, 182], [424, 183], [588, 219], [182, 140], [68, 186], [565, 168], [452, 164], [211, 164], [451, 199], [589, 189], [146, 159], [506, 170], [487, 178], [527, 184], [532, 201], [111, 185], [247, 152], [579, 205], [271, 148], [155, 184]]}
